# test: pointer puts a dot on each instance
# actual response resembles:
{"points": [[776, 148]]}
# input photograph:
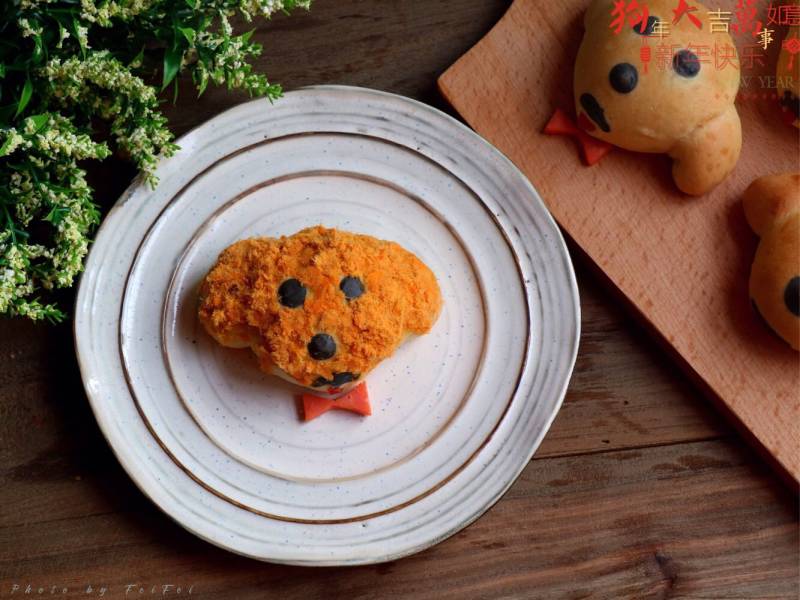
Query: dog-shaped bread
{"points": [[772, 207], [681, 105], [320, 308]]}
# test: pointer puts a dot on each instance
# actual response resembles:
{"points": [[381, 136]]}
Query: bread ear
{"points": [[708, 154], [602, 7], [770, 199], [423, 299], [224, 294]]}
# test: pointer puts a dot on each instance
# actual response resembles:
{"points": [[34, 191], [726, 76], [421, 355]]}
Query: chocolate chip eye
{"points": [[623, 78], [292, 293], [351, 287], [791, 296], [321, 347], [649, 28], [685, 63]]}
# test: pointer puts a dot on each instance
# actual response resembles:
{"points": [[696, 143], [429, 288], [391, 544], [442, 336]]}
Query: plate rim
{"points": [[562, 251]]}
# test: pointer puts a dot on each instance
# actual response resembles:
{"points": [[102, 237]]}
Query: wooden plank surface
{"points": [[682, 262], [640, 490], [697, 520]]}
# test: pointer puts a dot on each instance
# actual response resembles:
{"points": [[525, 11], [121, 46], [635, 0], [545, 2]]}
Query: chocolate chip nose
{"points": [[322, 346]]}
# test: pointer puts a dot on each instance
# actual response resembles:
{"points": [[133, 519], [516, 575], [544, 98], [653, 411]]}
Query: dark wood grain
{"points": [[639, 490], [696, 520]]}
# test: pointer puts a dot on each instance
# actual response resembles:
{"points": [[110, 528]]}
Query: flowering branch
{"points": [[64, 64]]}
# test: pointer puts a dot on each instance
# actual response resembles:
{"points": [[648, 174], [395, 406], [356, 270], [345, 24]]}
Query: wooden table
{"points": [[640, 490]]}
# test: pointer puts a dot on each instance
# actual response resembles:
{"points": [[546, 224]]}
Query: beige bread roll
{"points": [[681, 106], [772, 207]]}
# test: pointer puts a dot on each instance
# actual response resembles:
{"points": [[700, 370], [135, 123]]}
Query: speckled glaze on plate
{"points": [[217, 444]]}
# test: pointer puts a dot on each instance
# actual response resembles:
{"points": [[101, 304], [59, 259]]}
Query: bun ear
{"points": [[225, 294], [597, 9], [770, 199], [423, 299]]}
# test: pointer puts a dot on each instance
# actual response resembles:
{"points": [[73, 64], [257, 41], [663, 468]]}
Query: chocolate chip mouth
{"points": [[595, 111], [338, 380]]}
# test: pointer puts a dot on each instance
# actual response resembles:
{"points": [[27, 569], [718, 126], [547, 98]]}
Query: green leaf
{"points": [[246, 36], [4, 147], [38, 50], [2, 70], [53, 314], [40, 121], [189, 34], [172, 64], [27, 92], [191, 4], [57, 214], [138, 58], [75, 30], [202, 87]]}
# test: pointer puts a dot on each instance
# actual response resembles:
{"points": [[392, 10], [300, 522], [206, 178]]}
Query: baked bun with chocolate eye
{"points": [[772, 207], [681, 105], [320, 308]]}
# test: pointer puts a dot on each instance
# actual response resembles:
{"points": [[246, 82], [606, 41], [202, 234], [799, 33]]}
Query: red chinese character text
{"points": [[789, 14], [685, 9], [725, 55], [634, 13], [752, 56], [746, 17]]}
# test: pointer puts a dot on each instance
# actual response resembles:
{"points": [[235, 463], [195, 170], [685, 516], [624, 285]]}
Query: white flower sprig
{"points": [[67, 66], [47, 186], [101, 85]]}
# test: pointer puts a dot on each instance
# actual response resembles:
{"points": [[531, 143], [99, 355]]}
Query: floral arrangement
{"points": [[78, 79]]}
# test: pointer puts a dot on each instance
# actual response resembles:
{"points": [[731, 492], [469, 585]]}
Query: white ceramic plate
{"points": [[458, 413]]}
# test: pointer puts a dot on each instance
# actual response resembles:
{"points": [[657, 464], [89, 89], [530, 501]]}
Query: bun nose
{"points": [[322, 346]]}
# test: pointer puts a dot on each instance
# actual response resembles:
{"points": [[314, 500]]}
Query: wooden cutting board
{"points": [[682, 262]]}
